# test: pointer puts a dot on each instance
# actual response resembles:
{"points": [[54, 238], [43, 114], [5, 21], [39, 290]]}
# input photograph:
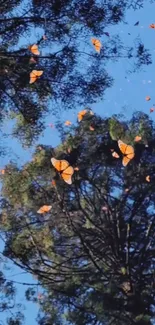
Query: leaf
{"points": [[123, 270], [116, 129]]}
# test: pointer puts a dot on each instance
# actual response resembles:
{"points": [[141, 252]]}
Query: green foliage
{"points": [[116, 129]]}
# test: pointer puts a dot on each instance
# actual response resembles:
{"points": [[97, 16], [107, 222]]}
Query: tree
{"points": [[9, 307], [93, 251], [73, 74]]}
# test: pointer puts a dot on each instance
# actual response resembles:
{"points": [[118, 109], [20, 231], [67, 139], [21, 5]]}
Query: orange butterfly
{"points": [[2, 171], [44, 208], [147, 178], [137, 138], [147, 98], [152, 26], [97, 44], [34, 49], [81, 114], [63, 167], [34, 75], [152, 109], [67, 123], [127, 151]]}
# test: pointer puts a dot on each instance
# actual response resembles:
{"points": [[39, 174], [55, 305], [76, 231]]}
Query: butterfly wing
{"points": [[148, 178], [122, 146], [115, 154], [59, 165], [93, 41], [81, 114], [125, 161], [97, 44], [38, 72], [33, 77], [67, 175], [130, 152], [34, 49]]}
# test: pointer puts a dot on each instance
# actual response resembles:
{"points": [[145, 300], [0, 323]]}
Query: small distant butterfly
{"points": [[34, 49], [81, 114], [91, 128], [114, 154], [44, 209], [137, 23], [53, 182], [147, 98], [137, 138], [104, 208], [63, 167], [152, 109], [147, 178], [67, 123], [2, 171], [126, 190], [97, 44], [127, 151], [34, 75], [152, 26]]}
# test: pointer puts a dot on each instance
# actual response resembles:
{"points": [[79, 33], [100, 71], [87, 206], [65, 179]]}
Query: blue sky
{"points": [[126, 96]]}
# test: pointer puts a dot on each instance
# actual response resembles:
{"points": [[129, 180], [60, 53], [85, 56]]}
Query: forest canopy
{"points": [[90, 244], [71, 72], [77, 216]]}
